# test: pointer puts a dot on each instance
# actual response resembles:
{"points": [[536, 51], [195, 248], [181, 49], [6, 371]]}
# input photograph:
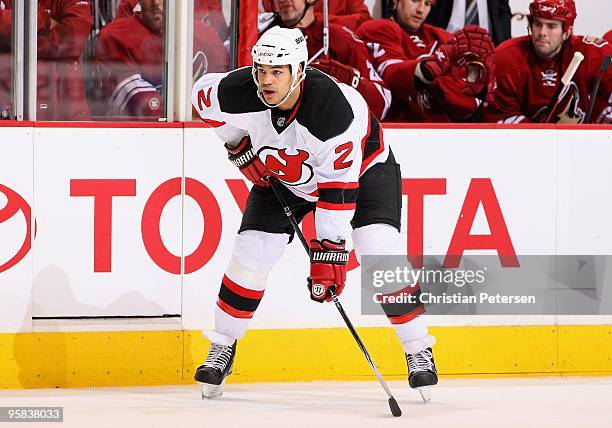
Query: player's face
{"points": [[412, 13], [153, 14], [274, 82], [290, 11], [547, 37]]}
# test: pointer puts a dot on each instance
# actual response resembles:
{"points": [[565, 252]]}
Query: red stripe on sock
{"points": [[233, 312], [403, 319], [241, 291]]}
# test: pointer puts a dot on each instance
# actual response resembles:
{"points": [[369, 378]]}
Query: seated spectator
{"points": [[206, 11], [529, 70], [492, 15], [6, 77], [63, 29], [407, 54], [348, 59], [348, 13], [129, 57]]}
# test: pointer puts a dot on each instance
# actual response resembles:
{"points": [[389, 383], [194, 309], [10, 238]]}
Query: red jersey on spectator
{"points": [[348, 13], [346, 48], [129, 57], [396, 54], [6, 81], [60, 88], [207, 11], [526, 83]]}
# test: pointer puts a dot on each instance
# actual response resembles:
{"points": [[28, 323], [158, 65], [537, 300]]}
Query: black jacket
{"points": [[499, 17]]}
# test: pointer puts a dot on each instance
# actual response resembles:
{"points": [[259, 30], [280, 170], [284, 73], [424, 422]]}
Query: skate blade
{"points": [[425, 392], [211, 391]]}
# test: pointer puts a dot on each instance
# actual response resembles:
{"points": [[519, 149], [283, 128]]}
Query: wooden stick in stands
{"points": [[604, 66], [565, 81], [325, 49]]}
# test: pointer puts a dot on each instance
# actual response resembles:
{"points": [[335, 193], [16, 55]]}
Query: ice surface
{"points": [[517, 402]]}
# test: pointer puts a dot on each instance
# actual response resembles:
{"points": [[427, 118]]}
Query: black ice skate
{"points": [[422, 373], [216, 368]]}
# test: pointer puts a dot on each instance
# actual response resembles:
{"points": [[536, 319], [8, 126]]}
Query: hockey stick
{"points": [[325, 49], [602, 70], [395, 409], [565, 81]]}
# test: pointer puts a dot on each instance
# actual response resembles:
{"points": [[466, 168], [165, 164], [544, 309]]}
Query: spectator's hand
{"points": [[53, 24], [342, 73]]}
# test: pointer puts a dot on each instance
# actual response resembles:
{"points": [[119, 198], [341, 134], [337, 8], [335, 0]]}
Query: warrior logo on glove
{"points": [[328, 261], [318, 291]]}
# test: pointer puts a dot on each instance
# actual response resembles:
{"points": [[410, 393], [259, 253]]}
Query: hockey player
{"points": [[129, 59], [6, 70], [530, 68], [346, 13], [319, 139], [62, 30], [206, 11], [348, 59], [406, 53]]}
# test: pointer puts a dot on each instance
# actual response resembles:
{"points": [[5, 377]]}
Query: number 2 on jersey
{"points": [[344, 150]]}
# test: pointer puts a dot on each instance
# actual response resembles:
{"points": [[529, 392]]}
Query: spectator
{"points": [[63, 29], [129, 57], [529, 69], [608, 36], [348, 59], [6, 77], [348, 13], [492, 15], [206, 11], [399, 45]]}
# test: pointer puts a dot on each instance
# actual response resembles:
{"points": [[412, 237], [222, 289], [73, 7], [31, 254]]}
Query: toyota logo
{"points": [[14, 204]]}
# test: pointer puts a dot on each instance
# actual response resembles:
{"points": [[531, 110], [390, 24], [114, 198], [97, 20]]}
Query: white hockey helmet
{"points": [[281, 46]]}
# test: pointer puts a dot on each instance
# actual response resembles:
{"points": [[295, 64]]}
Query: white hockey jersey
{"points": [[318, 150]]}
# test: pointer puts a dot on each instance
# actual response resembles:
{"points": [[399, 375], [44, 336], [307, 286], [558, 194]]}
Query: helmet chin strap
{"points": [[294, 85]]}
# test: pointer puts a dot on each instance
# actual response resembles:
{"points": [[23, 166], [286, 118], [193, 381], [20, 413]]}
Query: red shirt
{"points": [[526, 83], [207, 11], [348, 13], [60, 88], [348, 49], [396, 54], [129, 60]]}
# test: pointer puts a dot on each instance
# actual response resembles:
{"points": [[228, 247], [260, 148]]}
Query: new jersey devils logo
{"points": [[14, 204], [291, 169]]}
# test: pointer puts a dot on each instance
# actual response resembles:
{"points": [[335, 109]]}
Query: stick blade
{"points": [[395, 408]]}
